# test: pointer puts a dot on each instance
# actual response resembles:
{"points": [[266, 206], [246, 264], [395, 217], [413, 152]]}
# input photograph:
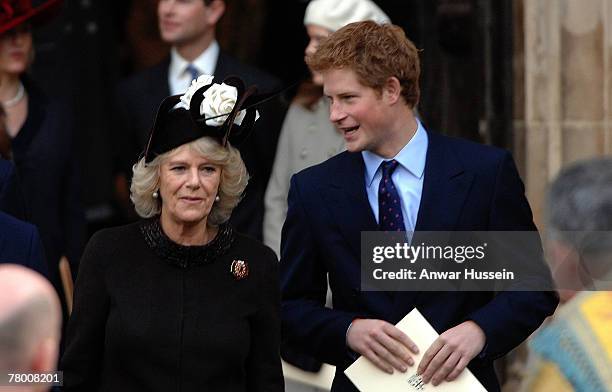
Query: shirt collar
{"points": [[205, 62], [412, 156]]}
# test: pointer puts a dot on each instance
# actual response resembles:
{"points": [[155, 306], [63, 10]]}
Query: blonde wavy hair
{"points": [[234, 179]]}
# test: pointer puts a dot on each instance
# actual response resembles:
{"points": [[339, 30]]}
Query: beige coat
{"points": [[306, 139]]}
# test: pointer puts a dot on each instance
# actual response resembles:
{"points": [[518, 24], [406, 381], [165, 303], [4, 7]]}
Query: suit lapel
{"points": [[347, 200], [224, 68], [159, 87], [346, 197], [445, 187]]}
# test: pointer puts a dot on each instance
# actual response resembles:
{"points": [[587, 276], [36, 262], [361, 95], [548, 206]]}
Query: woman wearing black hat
{"points": [[40, 131], [179, 301]]}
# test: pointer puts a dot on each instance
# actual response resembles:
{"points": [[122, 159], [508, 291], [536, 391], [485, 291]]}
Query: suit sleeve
{"points": [[513, 315], [264, 371], [307, 323], [83, 355]]}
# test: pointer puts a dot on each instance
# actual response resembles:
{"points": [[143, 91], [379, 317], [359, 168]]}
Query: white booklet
{"points": [[368, 378]]}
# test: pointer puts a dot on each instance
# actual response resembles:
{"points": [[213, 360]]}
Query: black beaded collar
{"points": [[182, 256]]}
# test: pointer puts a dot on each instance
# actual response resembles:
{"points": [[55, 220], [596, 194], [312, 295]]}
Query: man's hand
{"points": [[382, 343], [448, 355]]}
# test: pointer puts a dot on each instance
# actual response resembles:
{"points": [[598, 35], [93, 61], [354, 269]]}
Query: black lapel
{"points": [[159, 86], [151, 90], [225, 67]]}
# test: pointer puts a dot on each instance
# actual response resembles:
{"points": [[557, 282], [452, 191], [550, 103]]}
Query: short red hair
{"points": [[375, 53]]}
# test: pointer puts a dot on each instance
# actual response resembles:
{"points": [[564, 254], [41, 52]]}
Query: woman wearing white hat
{"points": [[308, 137]]}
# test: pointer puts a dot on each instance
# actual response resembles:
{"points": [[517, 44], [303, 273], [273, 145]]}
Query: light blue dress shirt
{"points": [[408, 177], [179, 79]]}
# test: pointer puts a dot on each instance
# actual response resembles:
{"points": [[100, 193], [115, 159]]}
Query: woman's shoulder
{"points": [[116, 235], [261, 261], [258, 256], [249, 244]]}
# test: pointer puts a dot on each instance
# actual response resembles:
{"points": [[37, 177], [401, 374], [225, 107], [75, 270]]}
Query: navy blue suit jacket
{"points": [[467, 186], [20, 244], [11, 198]]}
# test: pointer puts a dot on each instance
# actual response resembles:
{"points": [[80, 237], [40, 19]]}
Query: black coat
{"points": [[138, 98], [141, 322], [43, 152]]}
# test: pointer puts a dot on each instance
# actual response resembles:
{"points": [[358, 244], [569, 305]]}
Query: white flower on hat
{"points": [[220, 99], [201, 81]]}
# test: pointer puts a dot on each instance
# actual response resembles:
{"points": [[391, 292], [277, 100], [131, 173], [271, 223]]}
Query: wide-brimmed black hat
{"points": [[180, 118], [15, 12]]}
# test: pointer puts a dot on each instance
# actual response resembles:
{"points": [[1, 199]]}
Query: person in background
{"points": [[307, 136], [179, 300], [11, 196], [189, 27], [572, 352], [20, 244], [41, 133], [19, 241], [30, 324]]}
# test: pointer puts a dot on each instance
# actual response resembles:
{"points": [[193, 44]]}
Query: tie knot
{"points": [[193, 71], [388, 167]]}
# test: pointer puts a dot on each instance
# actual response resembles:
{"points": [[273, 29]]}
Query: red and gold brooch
{"points": [[240, 269]]}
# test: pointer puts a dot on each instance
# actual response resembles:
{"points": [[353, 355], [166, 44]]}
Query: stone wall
{"points": [[563, 78]]}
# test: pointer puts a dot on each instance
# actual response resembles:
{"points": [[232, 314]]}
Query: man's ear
{"points": [[215, 11], [392, 90]]}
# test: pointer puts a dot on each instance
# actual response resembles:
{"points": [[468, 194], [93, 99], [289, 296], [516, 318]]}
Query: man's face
{"points": [[357, 111], [315, 34], [184, 21]]}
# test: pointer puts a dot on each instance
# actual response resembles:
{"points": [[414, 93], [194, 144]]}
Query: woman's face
{"points": [[188, 186], [15, 50], [316, 35]]}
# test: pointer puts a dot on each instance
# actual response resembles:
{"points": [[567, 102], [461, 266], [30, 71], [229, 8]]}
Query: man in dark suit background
{"points": [[396, 175], [189, 26], [19, 241], [11, 198], [21, 244]]}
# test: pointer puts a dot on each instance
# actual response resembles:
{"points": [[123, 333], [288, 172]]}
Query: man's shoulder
{"points": [[333, 166], [119, 234], [469, 153], [7, 170], [137, 81], [228, 65], [22, 232]]}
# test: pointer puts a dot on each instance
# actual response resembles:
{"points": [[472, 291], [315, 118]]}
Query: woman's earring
{"points": [[217, 198], [155, 195]]}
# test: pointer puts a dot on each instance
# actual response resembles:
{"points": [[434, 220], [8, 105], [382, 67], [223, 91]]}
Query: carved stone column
{"points": [[567, 88]]}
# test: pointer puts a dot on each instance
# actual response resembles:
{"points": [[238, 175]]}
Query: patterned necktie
{"points": [[389, 203], [193, 71]]}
